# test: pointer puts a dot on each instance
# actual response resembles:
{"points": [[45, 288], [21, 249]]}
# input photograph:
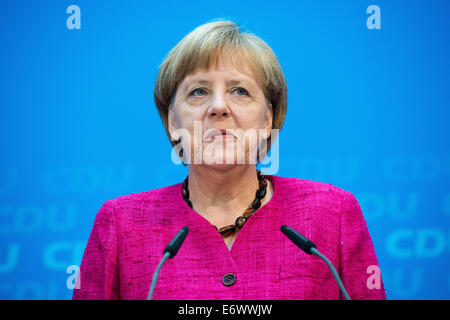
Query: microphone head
{"points": [[303, 243], [176, 242]]}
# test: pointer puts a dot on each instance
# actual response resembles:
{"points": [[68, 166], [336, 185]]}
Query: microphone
{"points": [[169, 252], [174, 245], [310, 248]]}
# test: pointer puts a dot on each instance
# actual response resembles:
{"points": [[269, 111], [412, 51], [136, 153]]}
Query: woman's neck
{"points": [[222, 196]]}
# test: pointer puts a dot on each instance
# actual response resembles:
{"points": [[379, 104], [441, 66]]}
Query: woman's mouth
{"points": [[220, 134], [222, 137]]}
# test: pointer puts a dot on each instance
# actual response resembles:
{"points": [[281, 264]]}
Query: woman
{"points": [[222, 98]]}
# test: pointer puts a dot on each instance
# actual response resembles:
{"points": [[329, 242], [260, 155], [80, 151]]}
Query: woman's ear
{"points": [[172, 126]]}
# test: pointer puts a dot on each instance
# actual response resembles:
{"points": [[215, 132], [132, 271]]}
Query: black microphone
{"points": [[310, 248], [169, 252], [301, 242], [176, 242]]}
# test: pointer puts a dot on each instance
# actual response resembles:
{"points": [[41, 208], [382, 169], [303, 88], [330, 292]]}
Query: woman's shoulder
{"points": [[159, 199], [321, 200], [152, 207], [167, 193], [296, 187]]}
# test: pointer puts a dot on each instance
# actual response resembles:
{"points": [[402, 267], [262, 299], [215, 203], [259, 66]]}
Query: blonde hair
{"points": [[203, 47]]}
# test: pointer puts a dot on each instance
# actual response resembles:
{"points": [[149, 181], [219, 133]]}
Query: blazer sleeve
{"points": [[99, 270], [359, 267]]}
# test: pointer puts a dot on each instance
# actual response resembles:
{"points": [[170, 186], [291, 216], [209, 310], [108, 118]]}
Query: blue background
{"points": [[367, 112]]}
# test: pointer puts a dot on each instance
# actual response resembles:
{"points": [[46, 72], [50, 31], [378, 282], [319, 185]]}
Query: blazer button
{"points": [[228, 279]]}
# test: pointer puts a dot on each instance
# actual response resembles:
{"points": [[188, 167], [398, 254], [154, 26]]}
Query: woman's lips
{"points": [[228, 138], [222, 137], [219, 134]]}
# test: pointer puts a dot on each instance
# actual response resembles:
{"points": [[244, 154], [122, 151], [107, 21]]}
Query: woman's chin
{"points": [[221, 161], [219, 167], [220, 158]]}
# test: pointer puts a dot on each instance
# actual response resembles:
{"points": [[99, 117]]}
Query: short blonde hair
{"points": [[202, 48]]}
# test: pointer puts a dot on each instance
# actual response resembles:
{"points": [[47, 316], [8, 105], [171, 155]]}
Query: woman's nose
{"points": [[219, 107]]}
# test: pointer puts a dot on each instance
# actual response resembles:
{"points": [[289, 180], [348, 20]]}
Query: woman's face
{"points": [[227, 96]]}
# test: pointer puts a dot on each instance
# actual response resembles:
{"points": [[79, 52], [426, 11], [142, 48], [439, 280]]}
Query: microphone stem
{"points": [[333, 271], [156, 273]]}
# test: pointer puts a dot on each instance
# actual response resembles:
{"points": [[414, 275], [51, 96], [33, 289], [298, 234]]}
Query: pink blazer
{"points": [[131, 232]]}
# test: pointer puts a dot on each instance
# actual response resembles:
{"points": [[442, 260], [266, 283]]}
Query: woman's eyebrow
{"points": [[228, 83], [194, 82], [248, 84], [236, 82], [197, 82]]}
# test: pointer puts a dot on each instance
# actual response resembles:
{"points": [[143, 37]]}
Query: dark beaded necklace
{"points": [[232, 228]]}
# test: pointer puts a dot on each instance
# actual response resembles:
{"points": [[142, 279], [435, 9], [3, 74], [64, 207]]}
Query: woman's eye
{"points": [[198, 92], [241, 91]]}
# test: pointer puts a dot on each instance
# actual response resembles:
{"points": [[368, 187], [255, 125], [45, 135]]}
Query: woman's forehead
{"points": [[229, 75], [231, 72]]}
